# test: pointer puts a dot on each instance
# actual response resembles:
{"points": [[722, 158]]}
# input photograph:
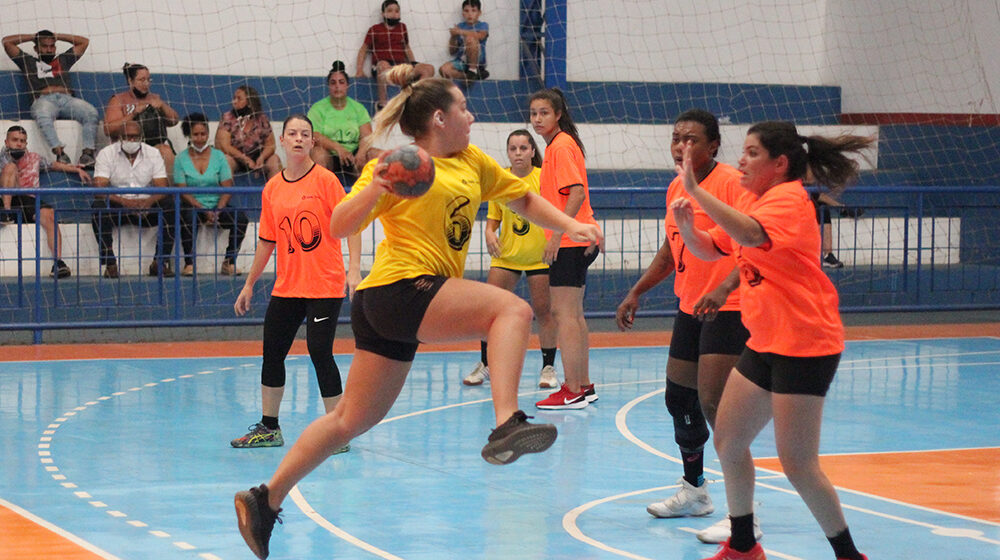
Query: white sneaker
{"points": [[548, 379], [721, 531], [478, 375], [689, 501]]}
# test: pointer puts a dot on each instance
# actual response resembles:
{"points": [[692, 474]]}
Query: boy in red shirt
{"points": [[389, 44]]}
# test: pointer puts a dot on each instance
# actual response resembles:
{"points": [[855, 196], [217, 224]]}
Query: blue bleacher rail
{"points": [[952, 261]]}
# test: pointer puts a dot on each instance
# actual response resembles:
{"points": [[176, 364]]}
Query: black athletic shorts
{"points": [[386, 318], [570, 267], [24, 205], [534, 272], [723, 335], [789, 375]]}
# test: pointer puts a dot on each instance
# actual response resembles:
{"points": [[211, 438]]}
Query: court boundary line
{"points": [[936, 529], [57, 530]]}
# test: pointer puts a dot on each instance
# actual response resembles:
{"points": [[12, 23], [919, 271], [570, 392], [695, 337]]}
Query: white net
{"points": [[917, 75]]}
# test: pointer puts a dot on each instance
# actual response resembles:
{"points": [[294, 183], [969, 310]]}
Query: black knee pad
{"points": [[690, 426]]}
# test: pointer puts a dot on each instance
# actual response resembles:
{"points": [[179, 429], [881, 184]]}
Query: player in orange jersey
{"points": [[563, 182], [295, 218], [790, 308], [708, 335]]}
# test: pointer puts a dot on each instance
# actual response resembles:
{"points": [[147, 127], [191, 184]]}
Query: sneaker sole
{"points": [[545, 385], [591, 398], [256, 445], [243, 521], [532, 439], [471, 383], [650, 511]]}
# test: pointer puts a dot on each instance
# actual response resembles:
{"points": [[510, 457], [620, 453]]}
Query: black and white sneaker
{"points": [[515, 437], [831, 261], [256, 519], [60, 270]]}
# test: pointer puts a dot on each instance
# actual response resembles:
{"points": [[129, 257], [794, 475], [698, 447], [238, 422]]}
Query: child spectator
{"points": [[21, 168], [468, 45], [389, 44]]}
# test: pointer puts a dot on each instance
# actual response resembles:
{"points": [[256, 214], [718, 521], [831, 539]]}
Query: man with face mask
{"points": [[48, 80], [21, 169], [129, 163]]}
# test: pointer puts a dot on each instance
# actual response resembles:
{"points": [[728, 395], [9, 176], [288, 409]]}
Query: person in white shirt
{"points": [[128, 164]]}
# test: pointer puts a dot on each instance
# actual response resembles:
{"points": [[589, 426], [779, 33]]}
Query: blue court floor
{"points": [[133, 457]]}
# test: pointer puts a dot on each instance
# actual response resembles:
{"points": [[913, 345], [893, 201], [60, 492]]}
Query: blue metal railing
{"points": [[920, 248]]}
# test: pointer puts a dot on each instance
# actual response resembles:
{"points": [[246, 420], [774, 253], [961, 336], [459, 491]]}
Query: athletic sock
{"points": [[482, 353], [742, 538], [694, 466], [548, 357], [269, 422], [843, 546]]}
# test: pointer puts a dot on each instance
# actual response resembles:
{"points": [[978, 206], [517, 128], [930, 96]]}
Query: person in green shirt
{"points": [[340, 124]]}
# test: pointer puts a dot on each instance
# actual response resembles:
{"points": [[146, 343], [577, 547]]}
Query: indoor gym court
{"points": [[129, 457]]}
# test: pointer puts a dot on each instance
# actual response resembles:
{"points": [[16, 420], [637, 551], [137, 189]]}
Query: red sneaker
{"points": [[589, 392], [564, 399], [726, 553]]}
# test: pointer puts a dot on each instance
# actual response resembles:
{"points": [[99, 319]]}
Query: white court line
{"points": [[57, 530], [621, 422], [336, 531]]}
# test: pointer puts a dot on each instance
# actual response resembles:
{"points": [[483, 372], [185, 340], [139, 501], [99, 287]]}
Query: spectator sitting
{"points": [[148, 109], [21, 168], [48, 81], [389, 44], [201, 165], [245, 136], [468, 45], [340, 124], [129, 164]]}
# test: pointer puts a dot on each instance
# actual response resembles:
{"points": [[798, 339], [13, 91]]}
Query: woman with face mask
{"points": [[140, 104], [201, 165], [245, 135]]}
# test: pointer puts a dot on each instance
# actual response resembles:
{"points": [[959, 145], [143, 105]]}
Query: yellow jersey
{"points": [[430, 234], [522, 243]]}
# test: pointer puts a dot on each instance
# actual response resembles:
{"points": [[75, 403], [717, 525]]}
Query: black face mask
{"points": [[245, 111], [138, 94], [391, 21], [47, 58], [16, 154]]}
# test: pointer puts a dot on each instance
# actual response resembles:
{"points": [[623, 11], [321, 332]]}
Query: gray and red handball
{"points": [[409, 170]]}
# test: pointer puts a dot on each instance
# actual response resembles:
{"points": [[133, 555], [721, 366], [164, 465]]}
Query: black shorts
{"points": [[570, 267], [693, 338], [385, 319], [789, 375], [25, 206], [534, 272]]}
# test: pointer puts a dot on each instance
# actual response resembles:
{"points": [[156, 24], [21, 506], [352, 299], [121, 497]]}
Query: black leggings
{"points": [[282, 321]]}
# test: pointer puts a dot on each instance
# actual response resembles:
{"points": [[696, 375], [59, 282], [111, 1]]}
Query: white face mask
{"points": [[201, 149], [131, 147]]}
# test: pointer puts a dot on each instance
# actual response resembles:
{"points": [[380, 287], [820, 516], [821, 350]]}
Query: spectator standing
{"points": [[48, 81]]}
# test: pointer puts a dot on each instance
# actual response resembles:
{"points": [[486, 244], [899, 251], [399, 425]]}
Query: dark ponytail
{"points": [[824, 156], [556, 98]]}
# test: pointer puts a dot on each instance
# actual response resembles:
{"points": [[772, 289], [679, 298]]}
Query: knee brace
{"points": [[690, 426]]}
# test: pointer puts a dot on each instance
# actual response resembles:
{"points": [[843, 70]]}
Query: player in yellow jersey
{"points": [[519, 248], [415, 292]]}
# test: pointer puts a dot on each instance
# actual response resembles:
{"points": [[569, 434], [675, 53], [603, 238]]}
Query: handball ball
{"points": [[409, 170]]}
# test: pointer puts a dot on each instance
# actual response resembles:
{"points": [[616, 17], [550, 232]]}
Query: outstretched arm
{"points": [[543, 213]]}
